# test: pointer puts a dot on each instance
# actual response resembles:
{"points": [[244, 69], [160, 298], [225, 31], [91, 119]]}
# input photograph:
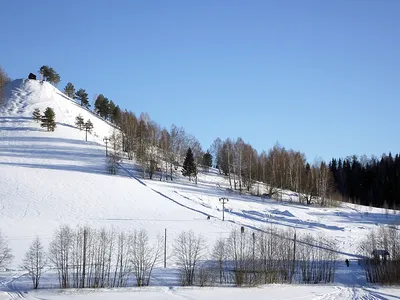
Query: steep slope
{"points": [[53, 178]]}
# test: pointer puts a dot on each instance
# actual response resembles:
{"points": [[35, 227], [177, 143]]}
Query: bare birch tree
{"points": [[35, 261], [188, 250], [60, 253], [144, 256]]}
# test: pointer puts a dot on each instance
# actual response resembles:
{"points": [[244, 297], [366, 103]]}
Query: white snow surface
{"points": [[52, 178]]}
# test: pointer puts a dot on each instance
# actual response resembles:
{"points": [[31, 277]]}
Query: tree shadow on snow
{"points": [[50, 140], [92, 169], [380, 295], [20, 129]]}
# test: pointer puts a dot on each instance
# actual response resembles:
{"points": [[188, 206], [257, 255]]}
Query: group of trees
{"points": [[156, 149], [82, 125], [4, 79], [88, 257], [378, 269], [103, 107], [49, 74], [98, 258], [47, 119], [107, 109], [278, 168], [272, 256], [79, 95], [368, 181]]}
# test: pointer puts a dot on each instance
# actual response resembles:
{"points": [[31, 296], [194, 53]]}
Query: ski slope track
{"points": [[48, 179]]}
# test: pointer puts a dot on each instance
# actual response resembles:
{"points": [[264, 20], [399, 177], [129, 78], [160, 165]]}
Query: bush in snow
{"points": [[5, 252]]}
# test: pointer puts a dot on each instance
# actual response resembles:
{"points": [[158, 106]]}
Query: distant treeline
{"points": [[370, 181]]}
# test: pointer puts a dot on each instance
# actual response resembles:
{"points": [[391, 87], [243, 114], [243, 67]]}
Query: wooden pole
{"points": [[165, 248]]}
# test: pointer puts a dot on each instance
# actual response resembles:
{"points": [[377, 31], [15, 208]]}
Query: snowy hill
{"points": [[53, 178]]}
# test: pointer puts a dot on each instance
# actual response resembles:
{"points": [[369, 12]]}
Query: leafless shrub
{"points": [[5, 252], [204, 276], [112, 161]]}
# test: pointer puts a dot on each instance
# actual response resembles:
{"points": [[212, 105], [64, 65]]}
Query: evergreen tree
{"points": [[102, 106], [79, 122], [207, 159], [116, 115], [82, 96], [36, 115], [111, 108], [50, 75], [189, 167], [48, 119], [69, 90], [88, 127]]}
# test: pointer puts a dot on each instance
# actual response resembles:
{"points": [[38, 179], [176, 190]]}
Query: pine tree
{"points": [[116, 115], [50, 75], [36, 115], [79, 122], [189, 167], [111, 108], [48, 119], [69, 90], [82, 96], [88, 127], [102, 106], [207, 159]]}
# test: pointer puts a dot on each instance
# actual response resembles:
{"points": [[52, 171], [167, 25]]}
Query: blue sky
{"points": [[322, 77]]}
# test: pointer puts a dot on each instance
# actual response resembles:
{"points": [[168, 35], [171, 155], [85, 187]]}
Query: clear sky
{"points": [[322, 77]]}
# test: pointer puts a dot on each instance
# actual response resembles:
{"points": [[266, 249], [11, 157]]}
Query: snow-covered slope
{"points": [[53, 178]]}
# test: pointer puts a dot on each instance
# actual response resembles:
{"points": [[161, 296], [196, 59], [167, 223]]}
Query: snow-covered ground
{"points": [[53, 178]]}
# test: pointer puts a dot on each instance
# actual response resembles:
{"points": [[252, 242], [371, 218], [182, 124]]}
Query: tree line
{"points": [[368, 181], [84, 257]]}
